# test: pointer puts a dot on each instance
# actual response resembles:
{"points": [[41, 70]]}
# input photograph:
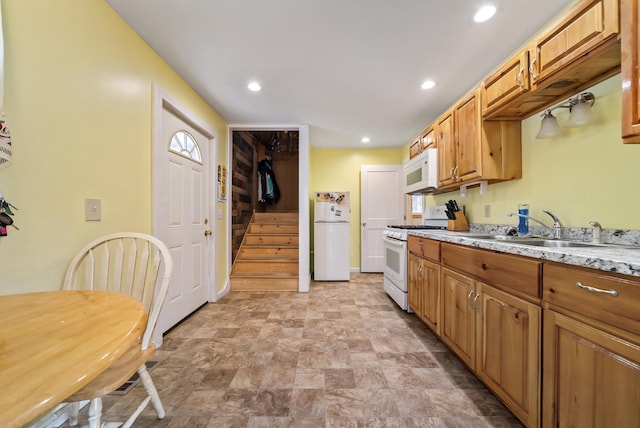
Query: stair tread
{"points": [[271, 234], [265, 275], [271, 246], [270, 260]]}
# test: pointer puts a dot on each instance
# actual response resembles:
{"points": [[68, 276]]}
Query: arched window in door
{"points": [[185, 145]]}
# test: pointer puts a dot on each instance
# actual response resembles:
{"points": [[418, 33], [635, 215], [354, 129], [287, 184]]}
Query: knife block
{"points": [[460, 223]]}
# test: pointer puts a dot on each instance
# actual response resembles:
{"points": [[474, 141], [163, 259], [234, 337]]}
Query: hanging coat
{"points": [[268, 191]]}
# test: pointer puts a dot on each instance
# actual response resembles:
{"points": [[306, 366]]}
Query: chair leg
{"points": [[73, 409], [151, 390], [95, 412]]}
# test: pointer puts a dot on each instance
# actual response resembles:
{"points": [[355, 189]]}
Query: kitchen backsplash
{"points": [[614, 236]]}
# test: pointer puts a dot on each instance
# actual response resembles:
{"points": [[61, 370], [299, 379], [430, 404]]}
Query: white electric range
{"points": [[396, 253]]}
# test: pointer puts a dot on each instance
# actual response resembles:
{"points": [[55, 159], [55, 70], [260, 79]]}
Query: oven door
{"points": [[395, 262]]}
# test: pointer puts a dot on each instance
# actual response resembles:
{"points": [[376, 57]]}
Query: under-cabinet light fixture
{"points": [[581, 114]]}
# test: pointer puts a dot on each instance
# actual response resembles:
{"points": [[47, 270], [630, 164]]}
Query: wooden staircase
{"points": [[268, 256]]}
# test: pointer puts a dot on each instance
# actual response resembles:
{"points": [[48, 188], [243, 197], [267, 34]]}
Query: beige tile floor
{"points": [[342, 355]]}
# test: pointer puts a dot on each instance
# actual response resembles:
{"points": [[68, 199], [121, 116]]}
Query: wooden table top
{"points": [[53, 343]]}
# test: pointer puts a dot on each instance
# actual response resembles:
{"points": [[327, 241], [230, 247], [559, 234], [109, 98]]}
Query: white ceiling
{"points": [[348, 68]]}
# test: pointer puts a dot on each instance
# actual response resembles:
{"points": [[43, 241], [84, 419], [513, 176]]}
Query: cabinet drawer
{"points": [[564, 286], [504, 271], [425, 248]]}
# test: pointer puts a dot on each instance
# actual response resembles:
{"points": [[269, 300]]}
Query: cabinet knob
{"points": [[483, 266]]}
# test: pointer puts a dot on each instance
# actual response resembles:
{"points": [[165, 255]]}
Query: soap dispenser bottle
{"points": [[523, 224]]}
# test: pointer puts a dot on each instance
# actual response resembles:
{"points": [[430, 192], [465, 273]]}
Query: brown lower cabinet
{"points": [[591, 349], [591, 377], [582, 369], [462, 295], [424, 290], [497, 336]]}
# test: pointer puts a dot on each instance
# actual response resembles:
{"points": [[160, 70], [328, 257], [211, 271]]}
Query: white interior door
{"points": [[183, 217], [381, 204]]}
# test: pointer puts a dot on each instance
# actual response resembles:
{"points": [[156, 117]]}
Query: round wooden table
{"points": [[53, 343]]}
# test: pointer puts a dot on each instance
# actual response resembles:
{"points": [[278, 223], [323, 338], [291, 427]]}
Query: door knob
{"points": [[364, 224], [208, 233]]}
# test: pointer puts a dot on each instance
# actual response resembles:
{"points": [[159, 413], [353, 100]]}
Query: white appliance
{"points": [[421, 172], [331, 236], [396, 253]]}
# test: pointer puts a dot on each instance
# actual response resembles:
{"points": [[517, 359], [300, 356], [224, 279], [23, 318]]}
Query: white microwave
{"points": [[421, 172]]}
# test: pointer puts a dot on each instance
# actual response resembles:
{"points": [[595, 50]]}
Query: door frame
{"points": [[304, 198], [163, 101]]}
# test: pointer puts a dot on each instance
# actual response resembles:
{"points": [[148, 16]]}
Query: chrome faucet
{"points": [[556, 228]]}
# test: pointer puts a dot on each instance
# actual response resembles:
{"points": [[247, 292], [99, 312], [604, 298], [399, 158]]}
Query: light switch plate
{"points": [[92, 209]]}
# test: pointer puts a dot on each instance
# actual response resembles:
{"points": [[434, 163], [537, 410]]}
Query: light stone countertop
{"points": [[610, 259]]}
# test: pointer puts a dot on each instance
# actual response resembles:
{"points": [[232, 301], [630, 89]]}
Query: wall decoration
{"points": [[5, 216], [222, 183], [5, 135]]}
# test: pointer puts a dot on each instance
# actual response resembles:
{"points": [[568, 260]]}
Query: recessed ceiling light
{"points": [[428, 84], [365, 139], [485, 13], [254, 86]]}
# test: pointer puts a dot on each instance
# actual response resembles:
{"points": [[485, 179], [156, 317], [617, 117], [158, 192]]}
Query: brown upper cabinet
{"points": [[630, 30], [426, 140], [470, 149], [429, 138], [415, 148], [446, 149], [576, 51]]}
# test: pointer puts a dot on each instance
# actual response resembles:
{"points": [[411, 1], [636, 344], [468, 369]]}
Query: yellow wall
{"points": [[585, 174], [78, 99], [339, 170]]}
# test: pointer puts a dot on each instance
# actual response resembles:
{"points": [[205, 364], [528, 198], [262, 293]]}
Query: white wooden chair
{"points": [[138, 265]]}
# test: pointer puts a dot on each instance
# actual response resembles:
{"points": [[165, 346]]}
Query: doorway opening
{"points": [[253, 152]]}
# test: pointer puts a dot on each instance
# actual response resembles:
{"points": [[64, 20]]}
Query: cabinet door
{"points": [[446, 149], [507, 350], [467, 122], [429, 138], [587, 25], [415, 149], [591, 378], [414, 286], [458, 316], [431, 295], [506, 84], [630, 28]]}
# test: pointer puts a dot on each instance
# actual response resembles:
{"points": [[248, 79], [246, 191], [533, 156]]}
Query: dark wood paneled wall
{"points": [[242, 184]]}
